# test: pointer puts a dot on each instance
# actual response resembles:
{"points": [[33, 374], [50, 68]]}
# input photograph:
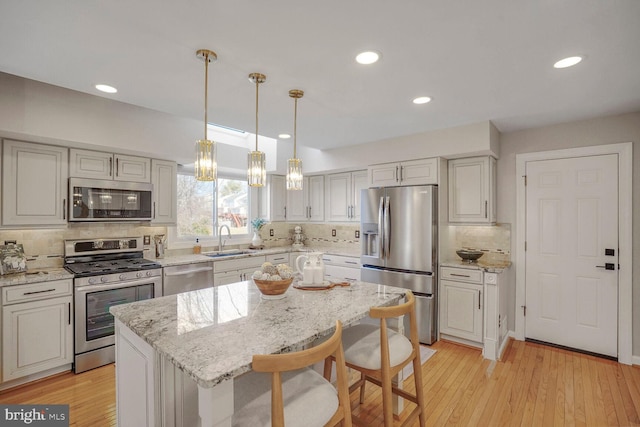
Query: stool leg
{"points": [[417, 376], [328, 365], [364, 382]]}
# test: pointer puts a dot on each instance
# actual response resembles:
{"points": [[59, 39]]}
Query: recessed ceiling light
{"points": [[567, 62], [284, 136], [421, 100], [368, 57], [106, 88]]}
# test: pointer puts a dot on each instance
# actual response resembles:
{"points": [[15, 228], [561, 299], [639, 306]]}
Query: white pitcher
{"points": [[313, 269]]}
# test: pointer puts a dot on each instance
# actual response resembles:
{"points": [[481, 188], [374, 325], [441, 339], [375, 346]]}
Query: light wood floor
{"points": [[532, 385]]}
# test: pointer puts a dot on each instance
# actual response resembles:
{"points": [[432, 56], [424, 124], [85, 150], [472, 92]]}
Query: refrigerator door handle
{"points": [[381, 227], [387, 227]]}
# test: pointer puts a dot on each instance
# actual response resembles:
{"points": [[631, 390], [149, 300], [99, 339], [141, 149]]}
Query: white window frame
{"points": [[176, 242]]}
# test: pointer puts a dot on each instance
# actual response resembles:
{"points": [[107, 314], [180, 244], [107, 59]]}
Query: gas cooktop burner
{"points": [[84, 269]]}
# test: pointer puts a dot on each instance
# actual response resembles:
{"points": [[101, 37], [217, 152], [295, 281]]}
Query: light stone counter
{"points": [[196, 258], [212, 334], [35, 276], [489, 267]]}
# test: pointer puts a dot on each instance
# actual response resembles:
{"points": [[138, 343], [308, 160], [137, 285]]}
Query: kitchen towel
{"points": [[425, 354]]}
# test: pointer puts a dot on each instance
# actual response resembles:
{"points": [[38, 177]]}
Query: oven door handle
{"points": [[118, 285]]}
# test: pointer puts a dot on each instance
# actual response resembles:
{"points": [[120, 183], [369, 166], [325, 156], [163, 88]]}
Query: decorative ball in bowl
{"points": [[273, 280], [273, 289], [469, 255]]}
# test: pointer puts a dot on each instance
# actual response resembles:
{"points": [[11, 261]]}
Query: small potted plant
{"points": [[257, 224]]}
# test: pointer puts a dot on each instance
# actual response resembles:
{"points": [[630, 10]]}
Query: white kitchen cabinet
{"points": [[235, 270], [165, 190], [472, 190], [461, 309], [37, 329], [34, 184], [308, 204], [341, 268], [276, 259], [495, 316], [343, 195], [412, 172], [273, 206], [101, 165]]}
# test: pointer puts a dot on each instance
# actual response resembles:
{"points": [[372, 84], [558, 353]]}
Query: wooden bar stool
{"points": [[294, 394], [380, 353]]}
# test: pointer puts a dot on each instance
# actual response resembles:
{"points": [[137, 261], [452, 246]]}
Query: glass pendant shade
{"points": [[257, 172], [294, 174], [257, 168], [206, 167], [294, 166]]}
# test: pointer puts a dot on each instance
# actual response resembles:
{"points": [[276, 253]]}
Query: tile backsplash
{"points": [[495, 241], [316, 235], [45, 247]]}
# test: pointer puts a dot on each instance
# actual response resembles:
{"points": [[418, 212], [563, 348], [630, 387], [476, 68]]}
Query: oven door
{"points": [[94, 325]]}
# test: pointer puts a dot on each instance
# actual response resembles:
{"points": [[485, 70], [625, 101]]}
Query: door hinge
{"points": [[525, 180], [525, 246], [524, 310]]}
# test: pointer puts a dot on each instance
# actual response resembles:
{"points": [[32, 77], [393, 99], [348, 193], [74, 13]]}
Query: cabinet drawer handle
{"points": [[111, 166], [38, 292], [117, 167], [69, 312], [64, 208], [485, 208], [350, 262], [479, 298], [460, 275]]}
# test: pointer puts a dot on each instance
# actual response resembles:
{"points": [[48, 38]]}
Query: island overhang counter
{"points": [[168, 345]]}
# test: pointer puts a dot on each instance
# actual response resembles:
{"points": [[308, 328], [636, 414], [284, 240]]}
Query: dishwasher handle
{"points": [[186, 272]]}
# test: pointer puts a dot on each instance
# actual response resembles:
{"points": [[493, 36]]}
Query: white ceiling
{"points": [[478, 60]]}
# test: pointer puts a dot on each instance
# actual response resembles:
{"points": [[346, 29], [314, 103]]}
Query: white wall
{"points": [[599, 131]]}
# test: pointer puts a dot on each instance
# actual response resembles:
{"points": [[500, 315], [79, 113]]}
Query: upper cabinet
{"points": [[308, 204], [413, 172], [472, 190], [274, 199], [165, 183], [34, 184], [99, 165], [343, 195]]}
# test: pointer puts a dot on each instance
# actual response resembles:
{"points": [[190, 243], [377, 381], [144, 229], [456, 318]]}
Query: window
{"points": [[205, 206]]}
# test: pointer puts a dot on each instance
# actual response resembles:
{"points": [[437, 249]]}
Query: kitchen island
{"points": [[177, 352]]}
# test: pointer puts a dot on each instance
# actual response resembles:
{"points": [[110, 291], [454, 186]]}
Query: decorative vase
{"points": [[256, 241]]}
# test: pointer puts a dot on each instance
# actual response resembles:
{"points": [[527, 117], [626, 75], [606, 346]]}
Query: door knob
{"points": [[607, 266]]}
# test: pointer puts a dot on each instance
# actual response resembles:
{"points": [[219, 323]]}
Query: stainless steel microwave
{"points": [[104, 200]]}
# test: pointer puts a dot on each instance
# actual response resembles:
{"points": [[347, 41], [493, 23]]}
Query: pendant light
{"points": [[294, 167], [206, 167], [257, 172]]}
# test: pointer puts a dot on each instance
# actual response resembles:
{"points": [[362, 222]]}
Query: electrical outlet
{"points": [[147, 240], [271, 232], [357, 234], [333, 233]]}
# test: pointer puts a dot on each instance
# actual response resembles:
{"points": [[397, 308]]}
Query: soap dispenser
{"points": [[197, 248]]}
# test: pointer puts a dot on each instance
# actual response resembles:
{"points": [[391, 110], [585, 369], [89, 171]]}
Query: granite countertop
{"points": [[488, 266], [196, 258], [212, 334], [35, 276]]}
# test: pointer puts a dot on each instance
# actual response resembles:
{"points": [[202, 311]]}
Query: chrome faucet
{"points": [[220, 242]]}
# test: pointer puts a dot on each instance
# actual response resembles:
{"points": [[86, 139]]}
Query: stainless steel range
{"points": [[107, 272]]}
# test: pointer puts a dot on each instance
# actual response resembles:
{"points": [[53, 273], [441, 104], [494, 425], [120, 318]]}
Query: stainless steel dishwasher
{"points": [[187, 277]]}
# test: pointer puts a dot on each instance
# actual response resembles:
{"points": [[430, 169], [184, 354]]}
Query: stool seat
{"points": [[309, 399], [362, 346]]}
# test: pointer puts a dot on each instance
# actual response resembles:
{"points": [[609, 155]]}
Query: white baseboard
{"points": [[635, 360]]}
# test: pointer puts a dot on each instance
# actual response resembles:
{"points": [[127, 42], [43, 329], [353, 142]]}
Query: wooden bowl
{"points": [[272, 288], [469, 255]]}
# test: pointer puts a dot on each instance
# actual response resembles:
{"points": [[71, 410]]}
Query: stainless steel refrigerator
{"points": [[399, 246]]}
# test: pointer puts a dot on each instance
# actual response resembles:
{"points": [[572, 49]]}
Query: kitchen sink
{"points": [[229, 252]]}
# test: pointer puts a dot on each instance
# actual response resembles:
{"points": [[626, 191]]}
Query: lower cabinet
{"points": [[340, 267], [37, 328], [461, 303], [235, 270]]}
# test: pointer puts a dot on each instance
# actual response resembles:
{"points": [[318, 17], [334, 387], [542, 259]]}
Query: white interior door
{"points": [[572, 218]]}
